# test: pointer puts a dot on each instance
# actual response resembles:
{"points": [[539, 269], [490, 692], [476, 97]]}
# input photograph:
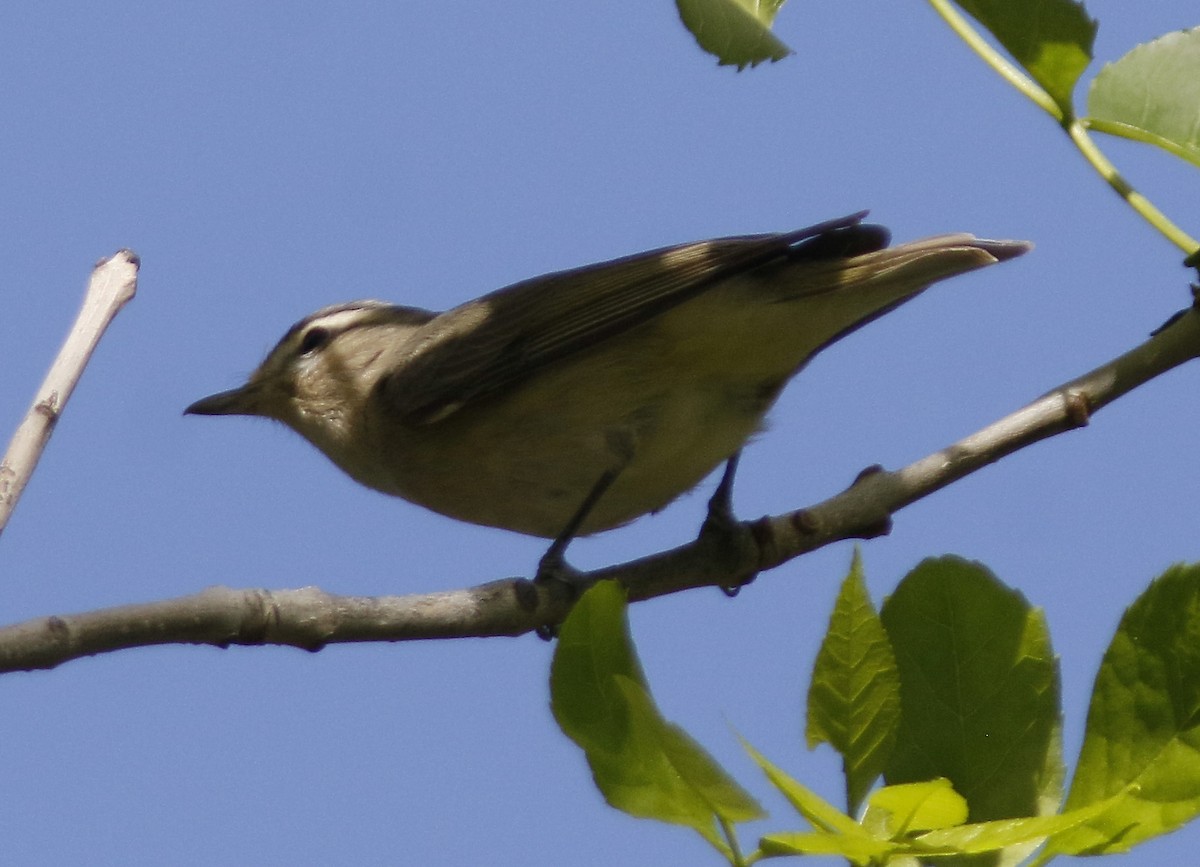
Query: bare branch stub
{"points": [[113, 283]]}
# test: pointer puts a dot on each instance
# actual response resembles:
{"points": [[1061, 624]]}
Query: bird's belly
{"points": [[515, 466]]}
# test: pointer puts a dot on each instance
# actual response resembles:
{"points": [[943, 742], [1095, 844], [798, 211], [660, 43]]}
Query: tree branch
{"points": [[309, 618], [876, 495], [111, 287]]}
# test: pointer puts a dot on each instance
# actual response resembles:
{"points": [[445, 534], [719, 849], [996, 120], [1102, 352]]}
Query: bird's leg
{"points": [[720, 520], [553, 566], [621, 443]]}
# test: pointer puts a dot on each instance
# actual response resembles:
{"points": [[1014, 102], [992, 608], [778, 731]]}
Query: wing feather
{"points": [[502, 339]]}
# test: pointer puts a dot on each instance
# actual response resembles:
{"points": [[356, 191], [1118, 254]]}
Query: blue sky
{"points": [[267, 159]]}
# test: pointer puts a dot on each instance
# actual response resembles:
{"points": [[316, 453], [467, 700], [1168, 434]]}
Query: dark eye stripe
{"points": [[313, 340]]}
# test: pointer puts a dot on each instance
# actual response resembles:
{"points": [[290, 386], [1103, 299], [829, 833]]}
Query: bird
{"points": [[575, 402]]}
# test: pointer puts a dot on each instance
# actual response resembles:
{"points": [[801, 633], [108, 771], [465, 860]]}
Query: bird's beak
{"points": [[238, 401]]}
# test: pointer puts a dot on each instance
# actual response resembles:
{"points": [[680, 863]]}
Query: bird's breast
{"points": [[526, 460]]}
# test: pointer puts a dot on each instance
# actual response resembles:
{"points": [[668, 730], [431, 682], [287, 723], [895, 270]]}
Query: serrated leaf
{"points": [[913, 807], [594, 646], [862, 851], [737, 32], [1142, 742], [854, 695], [1152, 94], [961, 840], [641, 763], [979, 690], [982, 837], [835, 833], [821, 814], [1051, 39], [682, 765]]}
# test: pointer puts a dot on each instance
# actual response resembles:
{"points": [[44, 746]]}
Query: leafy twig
{"points": [[1066, 117]]}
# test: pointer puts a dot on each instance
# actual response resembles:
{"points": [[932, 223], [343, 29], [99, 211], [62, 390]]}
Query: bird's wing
{"points": [[502, 339]]}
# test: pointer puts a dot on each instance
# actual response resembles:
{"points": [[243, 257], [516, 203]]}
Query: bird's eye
{"points": [[313, 340]]}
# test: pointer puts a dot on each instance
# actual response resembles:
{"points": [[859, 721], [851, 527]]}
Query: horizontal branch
{"points": [[309, 618]]}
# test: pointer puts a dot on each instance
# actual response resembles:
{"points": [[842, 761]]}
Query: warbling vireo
{"points": [[575, 402]]}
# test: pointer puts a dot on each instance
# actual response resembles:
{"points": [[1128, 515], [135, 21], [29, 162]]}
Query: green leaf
{"points": [[912, 807], [957, 840], [982, 837], [979, 690], [642, 764], [854, 696], [835, 832], [895, 818], [672, 761], [737, 32], [1152, 94], [594, 647], [856, 850], [1142, 742], [821, 814], [1051, 39]]}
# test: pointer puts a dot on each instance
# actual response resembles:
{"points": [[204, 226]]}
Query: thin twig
{"points": [[112, 285], [1064, 115], [1078, 132], [310, 618]]}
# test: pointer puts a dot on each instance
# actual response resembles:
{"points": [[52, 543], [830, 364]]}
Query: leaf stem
{"points": [[997, 61], [730, 834], [1104, 167], [1064, 115], [1132, 133]]}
